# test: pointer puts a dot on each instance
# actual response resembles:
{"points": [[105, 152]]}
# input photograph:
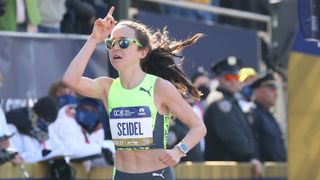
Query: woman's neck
{"points": [[131, 79]]}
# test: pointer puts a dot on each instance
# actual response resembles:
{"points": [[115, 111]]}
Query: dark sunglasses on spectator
{"points": [[122, 42], [230, 77]]}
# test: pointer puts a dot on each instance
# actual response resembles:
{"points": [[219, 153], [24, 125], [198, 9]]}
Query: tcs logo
{"points": [[118, 112]]}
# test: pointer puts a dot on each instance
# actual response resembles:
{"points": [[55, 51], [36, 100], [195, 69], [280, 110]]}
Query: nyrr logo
{"points": [[141, 112]]}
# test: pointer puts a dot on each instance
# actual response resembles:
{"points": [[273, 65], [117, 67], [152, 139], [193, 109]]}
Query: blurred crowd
{"points": [[58, 128], [46, 16], [237, 106], [77, 16]]}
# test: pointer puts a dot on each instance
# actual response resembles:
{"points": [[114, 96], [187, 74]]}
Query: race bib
{"points": [[131, 126]]}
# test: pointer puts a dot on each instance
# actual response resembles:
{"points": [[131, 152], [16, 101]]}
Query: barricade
{"points": [[213, 170]]}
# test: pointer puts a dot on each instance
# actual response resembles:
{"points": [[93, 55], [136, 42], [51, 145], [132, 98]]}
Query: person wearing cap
{"points": [[268, 133], [229, 136], [79, 128], [33, 138], [247, 75]]}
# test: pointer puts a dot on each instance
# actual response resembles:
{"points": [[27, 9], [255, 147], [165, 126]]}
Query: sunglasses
{"points": [[230, 77], [122, 42]]}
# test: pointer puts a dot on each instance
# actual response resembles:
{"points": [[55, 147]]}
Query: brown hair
{"points": [[55, 87], [162, 53]]}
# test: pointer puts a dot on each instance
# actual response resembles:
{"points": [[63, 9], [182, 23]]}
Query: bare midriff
{"points": [[139, 161]]}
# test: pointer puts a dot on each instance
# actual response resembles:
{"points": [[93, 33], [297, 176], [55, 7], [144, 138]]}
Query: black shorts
{"points": [[166, 173]]}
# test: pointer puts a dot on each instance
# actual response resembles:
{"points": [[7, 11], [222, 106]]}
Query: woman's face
{"points": [[122, 58], [4, 143]]}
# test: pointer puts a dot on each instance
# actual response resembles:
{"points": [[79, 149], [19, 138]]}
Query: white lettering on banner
{"points": [[12, 103]]}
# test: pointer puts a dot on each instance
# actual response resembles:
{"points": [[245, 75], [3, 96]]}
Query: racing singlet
{"points": [[134, 120]]}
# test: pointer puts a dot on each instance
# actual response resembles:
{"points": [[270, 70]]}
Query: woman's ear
{"points": [[144, 52]]}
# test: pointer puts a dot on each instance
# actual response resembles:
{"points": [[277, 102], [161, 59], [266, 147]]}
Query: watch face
{"points": [[184, 148]]}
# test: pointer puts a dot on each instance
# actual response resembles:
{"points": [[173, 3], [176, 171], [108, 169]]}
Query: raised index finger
{"points": [[110, 12]]}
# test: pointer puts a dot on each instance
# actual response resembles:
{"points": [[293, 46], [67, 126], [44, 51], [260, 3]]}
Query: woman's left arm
{"points": [[171, 100]]}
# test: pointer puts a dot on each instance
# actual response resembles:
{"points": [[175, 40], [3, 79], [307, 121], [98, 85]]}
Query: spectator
{"points": [[2, 7], [6, 152], [80, 17], [62, 94], [4, 131], [78, 129], [269, 136], [52, 14], [247, 76], [201, 80], [229, 136], [195, 15], [255, 6], [21, 16], [33, 138]]}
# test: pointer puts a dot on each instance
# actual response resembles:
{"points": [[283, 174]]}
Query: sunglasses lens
{"points": [[124, 43], [109, 43]]}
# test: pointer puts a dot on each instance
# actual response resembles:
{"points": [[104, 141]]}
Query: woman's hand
{"points": [[103, 27], [171, 157]]}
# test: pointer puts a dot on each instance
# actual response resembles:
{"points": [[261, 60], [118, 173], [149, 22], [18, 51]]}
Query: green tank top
{"points": [[134, 120]]}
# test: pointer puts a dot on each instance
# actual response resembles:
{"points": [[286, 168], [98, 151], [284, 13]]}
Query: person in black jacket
{"points": [[267, 131], [79, 17], [229, 136], [2, 7]]}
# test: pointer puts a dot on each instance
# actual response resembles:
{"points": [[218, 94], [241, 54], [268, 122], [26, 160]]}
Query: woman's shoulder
{"points": [[162, 83], [164, 86], [105, 82]]}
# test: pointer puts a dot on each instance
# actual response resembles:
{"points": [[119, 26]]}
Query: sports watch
{"points": [[183, 148]]}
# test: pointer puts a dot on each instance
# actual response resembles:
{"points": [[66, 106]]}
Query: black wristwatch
{"points": [[183, 148]]}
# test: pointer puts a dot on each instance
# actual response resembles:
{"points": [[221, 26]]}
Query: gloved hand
{"points": [[108, 155], [45, 152], [108, 150], [6, 156]]}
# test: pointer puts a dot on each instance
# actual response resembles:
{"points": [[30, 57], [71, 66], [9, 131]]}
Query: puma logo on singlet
{"points": [[160, 175], [144, 90]]}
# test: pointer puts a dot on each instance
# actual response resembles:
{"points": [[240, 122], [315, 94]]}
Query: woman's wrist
{"points": [[94, 40], [179, 152]]}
